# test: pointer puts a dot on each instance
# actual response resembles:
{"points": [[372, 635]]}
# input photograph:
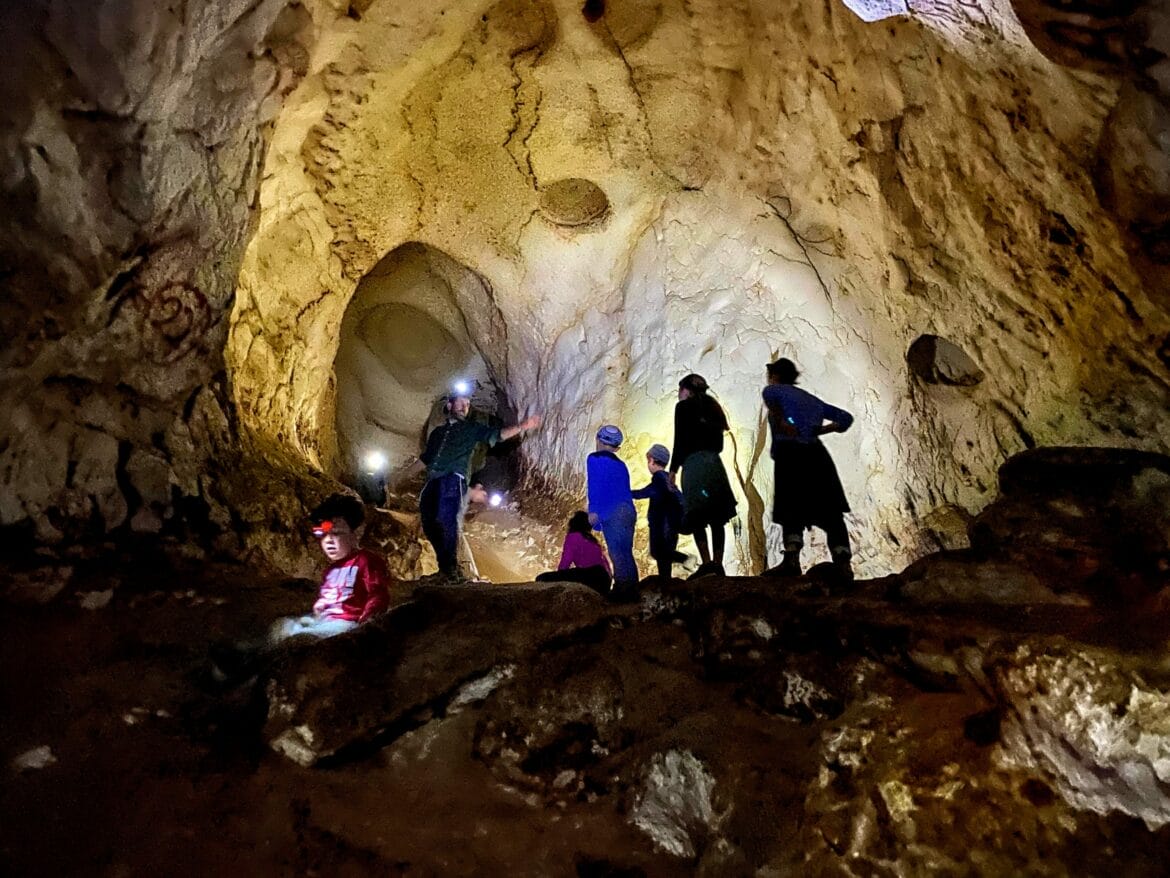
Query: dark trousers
{"points": [[663, 545], [596, 577], [441, 507]]}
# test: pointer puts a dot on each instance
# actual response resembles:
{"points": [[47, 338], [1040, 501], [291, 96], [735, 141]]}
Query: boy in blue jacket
{"points": [[665, 513], [611, 509]]}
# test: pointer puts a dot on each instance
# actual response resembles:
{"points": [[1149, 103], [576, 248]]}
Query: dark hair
{"points": [[709, 409], [784, 370], [340, 506], [579, 524]]}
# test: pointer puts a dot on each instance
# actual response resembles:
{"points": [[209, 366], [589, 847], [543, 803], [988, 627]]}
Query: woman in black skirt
{"points": [[808, 489], [699, 425]]}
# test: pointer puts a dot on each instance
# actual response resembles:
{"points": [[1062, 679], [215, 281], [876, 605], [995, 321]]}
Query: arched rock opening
{"points": [[417, 321]]}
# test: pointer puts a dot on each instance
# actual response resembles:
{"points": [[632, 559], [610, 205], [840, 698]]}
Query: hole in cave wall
{"points": [[417, 321], [938, 361]]}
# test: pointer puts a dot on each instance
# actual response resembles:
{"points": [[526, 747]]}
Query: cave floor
{"points": [[153, 776]]}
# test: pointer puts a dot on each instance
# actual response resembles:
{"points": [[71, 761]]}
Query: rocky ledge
{"points": [[999, 710]]}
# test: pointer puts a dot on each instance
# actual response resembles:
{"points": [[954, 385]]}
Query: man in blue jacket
{"points": [[808, 489]]}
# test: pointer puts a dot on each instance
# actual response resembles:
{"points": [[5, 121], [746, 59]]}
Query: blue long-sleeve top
{"points": [[788, 403], [608, 484]]}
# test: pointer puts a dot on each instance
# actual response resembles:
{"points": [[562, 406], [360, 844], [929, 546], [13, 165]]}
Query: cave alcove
{"points": [[410, 331]]}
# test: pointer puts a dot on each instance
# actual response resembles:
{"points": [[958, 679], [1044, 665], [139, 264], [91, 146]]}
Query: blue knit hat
{"points": [[611, 436], [659, 454]]}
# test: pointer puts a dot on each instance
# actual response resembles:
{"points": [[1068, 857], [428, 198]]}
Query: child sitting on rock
{"points": [[611, 509], [354, 588], [355, 585], [665, 513], [582, 558]]}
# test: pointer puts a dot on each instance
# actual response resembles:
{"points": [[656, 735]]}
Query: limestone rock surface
{"points": [[195, 199], [779, 182]]}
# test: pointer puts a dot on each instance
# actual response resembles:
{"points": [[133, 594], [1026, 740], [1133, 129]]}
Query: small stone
{"points": [[95, 600], [34, 759]]}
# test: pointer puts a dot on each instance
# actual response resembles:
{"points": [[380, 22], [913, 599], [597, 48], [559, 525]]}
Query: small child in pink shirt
{"points": [[582, 558]]}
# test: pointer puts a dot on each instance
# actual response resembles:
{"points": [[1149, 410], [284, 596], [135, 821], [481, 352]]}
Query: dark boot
{"points": [[842, 568], [790, 566], [842, 572], [624, 593]]}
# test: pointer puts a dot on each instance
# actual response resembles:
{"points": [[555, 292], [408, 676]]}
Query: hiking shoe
{"points": [[790, 566]]}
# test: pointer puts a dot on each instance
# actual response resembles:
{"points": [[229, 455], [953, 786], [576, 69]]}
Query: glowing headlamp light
{"points": [[374, 462], [461, 388], [495, 499]]}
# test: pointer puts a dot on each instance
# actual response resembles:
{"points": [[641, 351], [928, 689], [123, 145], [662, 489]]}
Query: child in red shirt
{"points": [[355, 585]]}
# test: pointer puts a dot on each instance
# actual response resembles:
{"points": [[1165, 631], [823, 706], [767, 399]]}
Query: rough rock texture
{"points": [[780, 181], [1130, 41], [790, 180], [719, 727], [415, 321], [132, 148]]}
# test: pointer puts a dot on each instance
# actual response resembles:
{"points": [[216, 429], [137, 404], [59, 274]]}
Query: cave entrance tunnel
{"points": [[418, 324]]}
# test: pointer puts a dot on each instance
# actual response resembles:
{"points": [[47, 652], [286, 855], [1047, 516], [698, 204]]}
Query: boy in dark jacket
{"points": [[665, 513]]}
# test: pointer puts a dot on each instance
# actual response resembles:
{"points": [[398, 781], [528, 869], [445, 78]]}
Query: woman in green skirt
{"points": [[699, 425]]}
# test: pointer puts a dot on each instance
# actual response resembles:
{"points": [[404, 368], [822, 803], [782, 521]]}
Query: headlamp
{"points": [[495, 499], [374, 461], [322, 529]]}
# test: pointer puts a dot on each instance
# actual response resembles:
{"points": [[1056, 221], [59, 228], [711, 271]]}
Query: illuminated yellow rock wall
{"points": [[779, 181]]}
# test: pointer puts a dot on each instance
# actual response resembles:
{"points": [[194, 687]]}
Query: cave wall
{"points": [[794, 182], [405, 339], [133, 140]]}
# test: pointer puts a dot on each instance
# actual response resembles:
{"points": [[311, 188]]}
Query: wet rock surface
{"points": [[718, 727]]}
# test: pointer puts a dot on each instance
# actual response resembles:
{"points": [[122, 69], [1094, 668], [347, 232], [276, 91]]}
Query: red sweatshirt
{"points": [[354, 588]]}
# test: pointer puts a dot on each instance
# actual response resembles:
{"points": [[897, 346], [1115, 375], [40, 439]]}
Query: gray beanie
{"points": [[610, 435], [659, 454]]}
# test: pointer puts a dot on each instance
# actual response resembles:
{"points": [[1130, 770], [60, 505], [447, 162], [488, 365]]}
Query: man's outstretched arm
{"points": [[524, 426]]}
